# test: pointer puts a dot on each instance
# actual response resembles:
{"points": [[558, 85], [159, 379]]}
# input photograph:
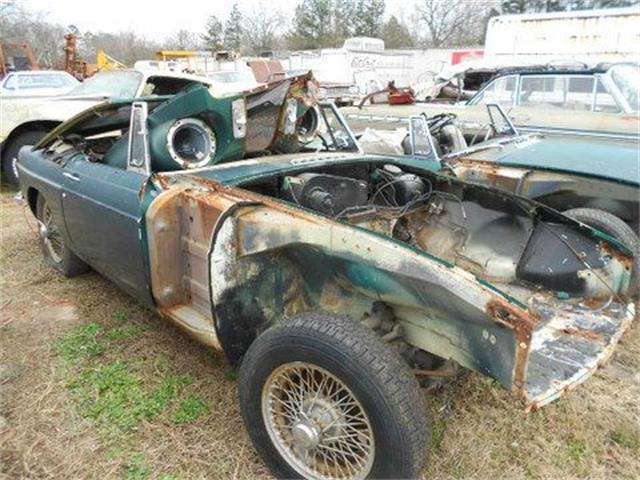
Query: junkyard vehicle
{"points": [[326, 273], [234, 81], [589, 178], [25, 121], [37, 83], [598, 101]]}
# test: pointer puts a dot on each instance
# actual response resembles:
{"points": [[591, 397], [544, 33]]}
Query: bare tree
{"points": [[452, 23], [125, 46], [184, 40], [17, 25], [262, 28]]}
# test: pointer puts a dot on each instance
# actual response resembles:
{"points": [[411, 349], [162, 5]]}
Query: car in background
{"points": [[234, 81], [24, 121], [597, 101], [37, 83]]}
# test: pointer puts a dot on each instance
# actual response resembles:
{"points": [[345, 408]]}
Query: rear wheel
{"points": [[10, 153], [324, 397], [55, 252]]}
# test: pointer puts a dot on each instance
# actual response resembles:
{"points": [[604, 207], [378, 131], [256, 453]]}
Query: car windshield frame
{"points": [[114, 84], [333, 133]]}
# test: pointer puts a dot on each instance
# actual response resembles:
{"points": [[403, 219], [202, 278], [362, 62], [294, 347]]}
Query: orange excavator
{"points": [[82, 69], [11, 60]]}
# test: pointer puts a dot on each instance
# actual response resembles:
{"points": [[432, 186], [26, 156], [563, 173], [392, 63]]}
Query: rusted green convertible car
{"points": [[327, 274]]}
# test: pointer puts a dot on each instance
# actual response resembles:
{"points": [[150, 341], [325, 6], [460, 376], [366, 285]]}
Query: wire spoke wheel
{"points": [[51, 236], [316, 422]]}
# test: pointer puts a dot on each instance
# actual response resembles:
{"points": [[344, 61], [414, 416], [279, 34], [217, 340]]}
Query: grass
{"points": [[114, 394], [127, 331], [190, 409], [81, 341], [626, 439], [135, 469], [576, 448]]}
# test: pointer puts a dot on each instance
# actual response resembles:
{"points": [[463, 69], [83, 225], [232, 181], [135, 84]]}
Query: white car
{"points": [[24, 121], [37, 83], [225, 83]]}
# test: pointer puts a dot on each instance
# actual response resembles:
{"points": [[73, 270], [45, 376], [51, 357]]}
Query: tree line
{"points": [[327, 23], [313, 24]]}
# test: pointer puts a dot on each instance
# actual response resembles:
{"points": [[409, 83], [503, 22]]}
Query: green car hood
{"points": [[613, 160]]}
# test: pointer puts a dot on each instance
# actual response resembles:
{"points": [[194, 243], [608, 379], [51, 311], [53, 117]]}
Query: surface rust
{"points": [[523, 324], [586, 334]]}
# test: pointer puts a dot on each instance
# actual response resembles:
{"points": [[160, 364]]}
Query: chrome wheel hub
{"points": [[51, 237], [316, 423], [305, 435]]}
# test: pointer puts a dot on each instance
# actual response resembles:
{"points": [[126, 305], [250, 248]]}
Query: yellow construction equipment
{"points": [[165, 55], [107, 62]]}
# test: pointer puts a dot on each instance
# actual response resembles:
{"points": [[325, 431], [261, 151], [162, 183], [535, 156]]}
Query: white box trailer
{"points": [[364, 63], [589, 36]]}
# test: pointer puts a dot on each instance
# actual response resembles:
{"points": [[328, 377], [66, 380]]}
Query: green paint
{"points": [[582, 156]]}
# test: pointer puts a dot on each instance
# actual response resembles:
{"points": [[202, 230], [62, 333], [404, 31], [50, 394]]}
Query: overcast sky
{"points": [[158, 19]]}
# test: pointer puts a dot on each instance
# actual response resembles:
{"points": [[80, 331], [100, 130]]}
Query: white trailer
{"points": [[364, 64], [589, 36]]}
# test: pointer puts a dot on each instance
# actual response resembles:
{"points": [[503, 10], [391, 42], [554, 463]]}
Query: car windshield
{"points": [[45, 80], [627, 79], [111, 84], [232, 77]]}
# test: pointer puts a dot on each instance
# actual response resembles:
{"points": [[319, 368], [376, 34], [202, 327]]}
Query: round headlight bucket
{"points": [[308, 125], [191, 143]]}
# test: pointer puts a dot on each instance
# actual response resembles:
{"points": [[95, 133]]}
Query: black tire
{"points": [[373, 372], [59, 257], [615, 227], [10, 153]]}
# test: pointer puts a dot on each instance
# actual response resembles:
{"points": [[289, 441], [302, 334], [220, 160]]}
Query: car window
{"points": [[116, 84], [568, 92], [500, 91], [44, 80], [542, 90], [604, 100], [579, 93], [11, 83]]}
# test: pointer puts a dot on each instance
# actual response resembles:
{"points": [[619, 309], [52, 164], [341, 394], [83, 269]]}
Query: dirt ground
{"points": [[94, 386]]}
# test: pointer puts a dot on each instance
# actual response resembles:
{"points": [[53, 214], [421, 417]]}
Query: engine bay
{"points": [[495, 236]]}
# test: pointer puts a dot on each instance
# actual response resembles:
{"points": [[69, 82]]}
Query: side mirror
{"points": [[138, 158], [420, 138]]}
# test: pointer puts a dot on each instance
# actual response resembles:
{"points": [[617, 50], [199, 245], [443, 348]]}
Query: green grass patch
{"points": [[231, 374], [117, 394], [190, 409], [80, 343], [625, 439], [576, 448], [116, 398], [439, 422], [121, 316], [127, 331], [135, 469]]}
